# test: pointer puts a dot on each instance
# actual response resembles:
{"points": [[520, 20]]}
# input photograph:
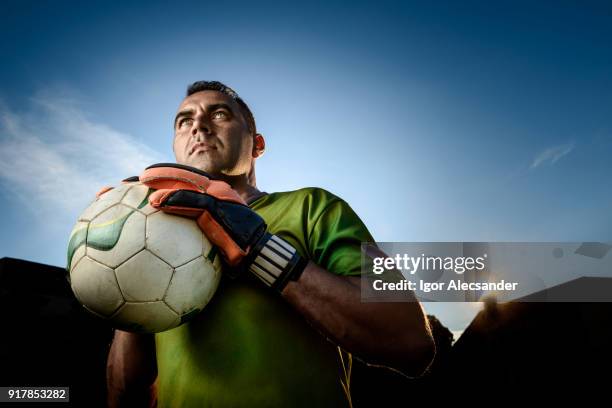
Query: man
{"points": [[264, 339]]}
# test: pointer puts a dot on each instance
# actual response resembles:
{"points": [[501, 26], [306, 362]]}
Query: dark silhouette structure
{"points": [[48, 338], [527, 350]]}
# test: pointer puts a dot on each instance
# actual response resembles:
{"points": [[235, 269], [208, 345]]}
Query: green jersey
{"points": [[249, 347]]}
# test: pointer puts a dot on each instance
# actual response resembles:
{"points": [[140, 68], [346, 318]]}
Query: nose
{"points": [[200, 127]]}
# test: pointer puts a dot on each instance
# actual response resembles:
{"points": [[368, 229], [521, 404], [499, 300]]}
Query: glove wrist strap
{"points": [[277, 262]]}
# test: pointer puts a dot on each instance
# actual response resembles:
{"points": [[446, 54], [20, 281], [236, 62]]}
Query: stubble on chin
{"points": [[206, 167]]}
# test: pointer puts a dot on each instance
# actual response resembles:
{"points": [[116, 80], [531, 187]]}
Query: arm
{"points": [[392, 334], [131, 370]]}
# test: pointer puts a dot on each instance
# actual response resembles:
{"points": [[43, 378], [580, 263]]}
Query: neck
{"points": [[244, 185]]}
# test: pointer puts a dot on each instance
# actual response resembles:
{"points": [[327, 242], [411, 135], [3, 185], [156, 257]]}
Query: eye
{"points": [[185, 122], [219, 115]]}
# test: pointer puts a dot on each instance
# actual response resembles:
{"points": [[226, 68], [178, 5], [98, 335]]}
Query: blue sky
{"points": [[473, 121]]}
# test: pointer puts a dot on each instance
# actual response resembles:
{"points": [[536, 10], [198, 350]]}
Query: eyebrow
{"points": [[191, 112]]}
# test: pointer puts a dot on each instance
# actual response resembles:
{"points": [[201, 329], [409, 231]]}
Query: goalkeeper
{"points": [[287, 317]]}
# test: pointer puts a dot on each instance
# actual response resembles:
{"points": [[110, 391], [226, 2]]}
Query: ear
{"points": [[259, 145]]}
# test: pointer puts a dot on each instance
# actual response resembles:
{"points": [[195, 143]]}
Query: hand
{"points": [[239, 232]]}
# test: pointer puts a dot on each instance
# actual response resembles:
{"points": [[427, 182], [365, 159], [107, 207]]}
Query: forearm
{"points": [[392, 334], [131, 370]]}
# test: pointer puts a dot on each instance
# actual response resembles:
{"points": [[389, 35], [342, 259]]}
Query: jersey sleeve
{"points": [[335, 238]]}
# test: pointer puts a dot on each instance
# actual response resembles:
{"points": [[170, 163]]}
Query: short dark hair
{"points": [[200, 86]]}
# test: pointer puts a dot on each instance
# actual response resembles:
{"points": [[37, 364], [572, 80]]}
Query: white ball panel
{"points": [[95, 286], [148, 210], [76, 243], [110, 244], [144, 277], [206, 245], [97, 314], [151, 317], [78, 255], [176, 240], [135, 197], [192, 286], [103, 202], [79, 226]]}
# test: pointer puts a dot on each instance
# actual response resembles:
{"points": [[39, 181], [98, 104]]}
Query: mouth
{"points": [[204, 147]]}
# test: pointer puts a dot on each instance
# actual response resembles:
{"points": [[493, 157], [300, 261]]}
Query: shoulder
{"points": [[312, 200], [304, 206], [307, 194]]}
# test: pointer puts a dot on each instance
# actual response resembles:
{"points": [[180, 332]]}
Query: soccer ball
{"points": [[139, 268]]}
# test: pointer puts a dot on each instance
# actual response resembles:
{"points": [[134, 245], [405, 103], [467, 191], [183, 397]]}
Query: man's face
{"points": [[211, 134]]}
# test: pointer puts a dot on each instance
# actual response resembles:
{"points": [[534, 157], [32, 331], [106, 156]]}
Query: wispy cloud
{"points": [[54, 158], [552, 155]]}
